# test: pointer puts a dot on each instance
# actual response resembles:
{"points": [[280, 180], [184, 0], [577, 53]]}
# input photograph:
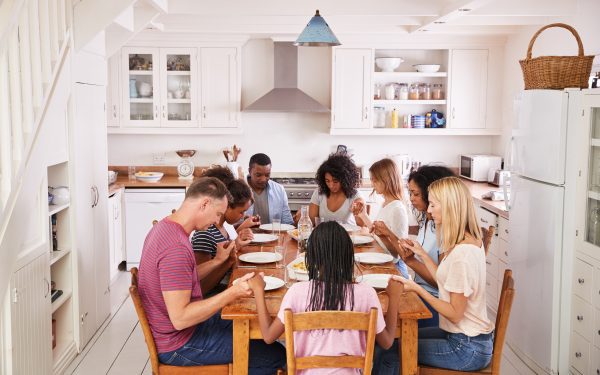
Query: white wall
{"points": [[554, 41], [296, 142]]}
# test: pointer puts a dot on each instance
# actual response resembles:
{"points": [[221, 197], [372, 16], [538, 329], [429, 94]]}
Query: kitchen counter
{"points": [[477, 190], [169, 180]]}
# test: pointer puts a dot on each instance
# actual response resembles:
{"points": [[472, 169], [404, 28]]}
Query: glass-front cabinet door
{"points": [[591, 116], [140, 87], [178, 87]]}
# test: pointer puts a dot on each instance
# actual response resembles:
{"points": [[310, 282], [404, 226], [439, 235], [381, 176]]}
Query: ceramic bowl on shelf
{"points": [[427, 68], [144, 89], [388, 64]]}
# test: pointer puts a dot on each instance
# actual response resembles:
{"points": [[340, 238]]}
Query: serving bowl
{"points": [[388, 64], [427, 68], [149, 176]]}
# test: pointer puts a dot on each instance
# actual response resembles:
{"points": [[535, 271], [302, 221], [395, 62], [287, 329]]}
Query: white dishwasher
{"points": [[142, 207]]}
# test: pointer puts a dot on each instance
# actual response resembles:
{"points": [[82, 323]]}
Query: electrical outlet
{"points": [[158, 158]]}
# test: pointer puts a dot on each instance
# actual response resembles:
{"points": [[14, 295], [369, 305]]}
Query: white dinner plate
{"points": [[269, 227], [293, 233], [375, 280], [270, 282], [149, 176], [373, 258], [300, 276], [263, 237], [361, 240], [260, 257], [350, 227], [296, 269]]}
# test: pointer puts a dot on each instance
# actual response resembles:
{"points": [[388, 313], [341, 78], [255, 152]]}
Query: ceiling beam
{"points": [[450, 12]]}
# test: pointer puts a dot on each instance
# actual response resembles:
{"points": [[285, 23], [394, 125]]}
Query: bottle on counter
{"points": [[304, 229], [394, 118]]}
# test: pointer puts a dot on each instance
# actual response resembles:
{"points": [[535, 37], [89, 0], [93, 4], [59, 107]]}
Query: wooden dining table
{"points": [[245, 317]]}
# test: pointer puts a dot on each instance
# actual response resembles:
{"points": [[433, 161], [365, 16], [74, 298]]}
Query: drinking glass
{"points": [[276, 223], [281, 251], [131, 172]]}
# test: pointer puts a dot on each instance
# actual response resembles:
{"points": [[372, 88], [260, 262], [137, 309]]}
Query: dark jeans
{"points": [[439, 348], [212, 344], [434, 321]]}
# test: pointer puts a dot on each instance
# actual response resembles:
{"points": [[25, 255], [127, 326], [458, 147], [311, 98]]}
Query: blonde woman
{"points": [[464, 339], [392, 220]]}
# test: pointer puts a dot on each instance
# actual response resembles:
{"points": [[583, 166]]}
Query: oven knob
{"points": [[291, 194]]}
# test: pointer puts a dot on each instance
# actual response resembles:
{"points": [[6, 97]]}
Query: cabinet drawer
{"points": [[596, 331], [503, 229], [503, 250], [582, 285], [491, 288], [580, 353], [595, 362], [582, 319], [596, 289], [486, 218], [491, 265]]}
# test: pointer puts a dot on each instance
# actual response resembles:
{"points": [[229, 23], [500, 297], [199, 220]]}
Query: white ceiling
{"points": [[266, 18]]}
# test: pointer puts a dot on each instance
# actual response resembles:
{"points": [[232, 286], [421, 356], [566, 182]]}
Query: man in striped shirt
{"points": [[187, 328]]}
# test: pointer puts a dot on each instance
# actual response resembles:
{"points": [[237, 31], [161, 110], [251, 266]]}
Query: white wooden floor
{"points": [[119, 348]]}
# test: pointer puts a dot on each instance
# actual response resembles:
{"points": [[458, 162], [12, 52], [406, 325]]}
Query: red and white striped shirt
{"points": [[167, 264]]}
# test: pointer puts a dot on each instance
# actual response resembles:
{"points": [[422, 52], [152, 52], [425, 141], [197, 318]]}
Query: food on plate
{"points": [[144, 174], [300, 266], [294, 232]]}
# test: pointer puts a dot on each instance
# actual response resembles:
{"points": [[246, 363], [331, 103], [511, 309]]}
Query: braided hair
{"points": [[330, 265]]}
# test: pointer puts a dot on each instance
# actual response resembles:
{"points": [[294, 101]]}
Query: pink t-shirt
{"points": [[330, 342], [167, 264]]}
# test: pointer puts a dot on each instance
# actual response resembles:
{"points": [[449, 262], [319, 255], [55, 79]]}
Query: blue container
{"points": [[132, 89]]}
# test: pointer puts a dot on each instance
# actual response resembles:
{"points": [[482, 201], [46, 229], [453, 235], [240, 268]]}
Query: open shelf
{"points": [[413, 131], [409, 102], [141, 72], [594, 195], [61, 300], [178, 72], [57, 255], [401, 75], [53, 209], [141, 100]]}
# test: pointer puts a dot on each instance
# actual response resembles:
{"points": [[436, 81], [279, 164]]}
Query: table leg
{"points": [[241, 346], [409, 347]]}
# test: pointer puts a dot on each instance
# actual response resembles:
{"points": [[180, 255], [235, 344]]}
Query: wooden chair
{"points": [[504, 306], [157, 367], [330, 320], [487, 234]]}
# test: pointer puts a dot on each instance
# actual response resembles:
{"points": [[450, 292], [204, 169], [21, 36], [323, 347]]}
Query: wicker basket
{"points": [[556, 72]]}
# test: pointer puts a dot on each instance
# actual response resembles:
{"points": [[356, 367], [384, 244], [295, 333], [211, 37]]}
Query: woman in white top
{"points": [[391, 223], [464, 339], [338, 179]]}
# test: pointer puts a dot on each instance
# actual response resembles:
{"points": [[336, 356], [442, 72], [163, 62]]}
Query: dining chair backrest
{"points": [[157, 367], [487, 234], [315, 320], [504, 306]]}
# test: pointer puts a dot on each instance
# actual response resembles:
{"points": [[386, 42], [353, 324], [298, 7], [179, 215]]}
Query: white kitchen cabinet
{"points": [[140, 92], [468, 89], [351, 87], [115, 233], [143, 208], [220, 99], [178, 87], [90, 200]]}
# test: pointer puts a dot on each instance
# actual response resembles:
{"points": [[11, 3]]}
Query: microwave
{"points": [[477, 167]]}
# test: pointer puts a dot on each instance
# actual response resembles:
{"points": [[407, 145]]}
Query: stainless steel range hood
{"points": [[286, 96]]}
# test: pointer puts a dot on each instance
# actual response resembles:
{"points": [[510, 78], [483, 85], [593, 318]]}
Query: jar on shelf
{"points": [[437, 91], [390, 91], [403, 91], [379, 115], [377, 92], [413, 92], [424, 91]]}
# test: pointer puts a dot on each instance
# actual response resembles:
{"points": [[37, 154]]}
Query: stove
{"points": [[298, 190]]}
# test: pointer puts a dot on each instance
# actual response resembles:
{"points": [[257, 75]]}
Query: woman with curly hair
{"points": [[338, 179]]}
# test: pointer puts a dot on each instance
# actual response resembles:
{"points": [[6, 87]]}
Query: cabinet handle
{"points": [[488, 263], [580, 318], [453, 112], [155, 112], [483, 220], [204, 111], [506, 231], [366, 113], [578, 354], [47, 287], [163, 111], [93, 196], [581, 280]]}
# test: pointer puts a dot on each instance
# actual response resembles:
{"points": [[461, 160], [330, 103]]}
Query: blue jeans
{"points": [[439, 348], [212, 343], [434, 321]]}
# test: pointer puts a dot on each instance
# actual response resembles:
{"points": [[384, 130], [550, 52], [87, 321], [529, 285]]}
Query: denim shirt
{"points": [[428, 241], [278, 203]]}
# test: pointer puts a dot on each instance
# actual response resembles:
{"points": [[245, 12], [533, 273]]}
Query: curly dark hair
{"points": [[423, 177], [220, 172], [343, 169], [239, 191]]}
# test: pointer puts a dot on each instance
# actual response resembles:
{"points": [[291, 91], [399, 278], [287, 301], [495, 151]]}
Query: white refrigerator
{"points": [[542, 227]]}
